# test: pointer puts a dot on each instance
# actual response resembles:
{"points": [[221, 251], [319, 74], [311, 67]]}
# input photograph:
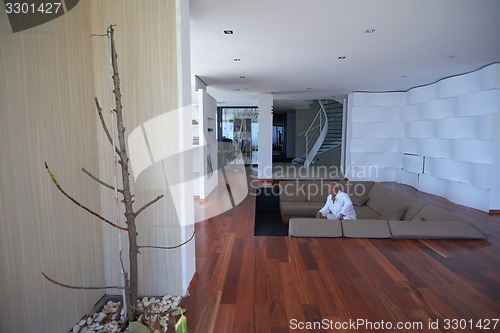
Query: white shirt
{"points": [[341, 205]]}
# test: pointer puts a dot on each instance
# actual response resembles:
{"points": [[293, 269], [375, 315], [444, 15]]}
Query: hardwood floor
{"points": [[276, 284]]}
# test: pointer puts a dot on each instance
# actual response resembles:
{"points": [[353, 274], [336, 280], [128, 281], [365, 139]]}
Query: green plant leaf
{"points": [[181, 325], [137, 327], [179, 311]]}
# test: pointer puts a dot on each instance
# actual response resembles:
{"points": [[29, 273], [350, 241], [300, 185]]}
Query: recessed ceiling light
{"points": [[242, 77], [369, 31], [237, 59], [403, 75], [228, 32], [341, 58], [451, 57]]}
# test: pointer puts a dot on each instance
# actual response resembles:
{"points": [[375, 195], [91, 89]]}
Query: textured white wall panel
{"points": [[482, 175], [374, 114], [413, 163], [485, 127], [422, 94], [469, 195], [377, 159], [410, 112], [478, 103], [452, 123], [459, 85], [433, 185], [409, 178], [374, 145], [435, 148], [490, 77], [377, 130], [420, 129], [407, 145], [449, 169], [441, 108], [380, 99], [478, 151], [456, 128]]}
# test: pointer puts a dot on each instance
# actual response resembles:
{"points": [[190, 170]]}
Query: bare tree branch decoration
{"points": [[130, 277], [78, 203], [100, 181]]}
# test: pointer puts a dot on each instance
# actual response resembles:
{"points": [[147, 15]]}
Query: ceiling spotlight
{"points": [[228, 32], [242, 77], [237, 59], [403, 75], [309, 88], [369, 31], [341, 58], [451, 57]]}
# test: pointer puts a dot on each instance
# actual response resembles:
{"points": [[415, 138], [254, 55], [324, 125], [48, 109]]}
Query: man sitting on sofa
{"points": [[338, 205]]}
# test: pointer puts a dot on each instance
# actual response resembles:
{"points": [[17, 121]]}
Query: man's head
{"points": [[333, 189]]}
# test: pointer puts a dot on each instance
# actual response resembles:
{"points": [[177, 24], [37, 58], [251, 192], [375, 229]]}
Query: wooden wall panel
{"points": [[146, 43], [46, 114]]}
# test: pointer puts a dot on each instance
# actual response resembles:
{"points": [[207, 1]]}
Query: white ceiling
{"points": [[291, 48]]}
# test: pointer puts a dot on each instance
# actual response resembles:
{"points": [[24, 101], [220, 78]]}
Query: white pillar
{"points": [[265, 136]]}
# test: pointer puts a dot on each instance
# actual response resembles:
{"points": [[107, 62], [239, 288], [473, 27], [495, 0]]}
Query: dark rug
{"points": [[267, 213]]}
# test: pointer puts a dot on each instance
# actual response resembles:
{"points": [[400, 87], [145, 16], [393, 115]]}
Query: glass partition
{"points": [[239, 126]]}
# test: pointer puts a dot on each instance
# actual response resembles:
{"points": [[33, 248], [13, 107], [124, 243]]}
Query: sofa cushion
{"points": [[365, 212], [396, 213], [292, 190], [359, 200], [376, 194], [297, 208], [366, 229], [317, 190], [300, 227], [433, 213], [398, 199], [435, 229]]}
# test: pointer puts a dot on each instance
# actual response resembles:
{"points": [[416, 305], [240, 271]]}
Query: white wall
{"points": [[207, 114], [441, 138]]}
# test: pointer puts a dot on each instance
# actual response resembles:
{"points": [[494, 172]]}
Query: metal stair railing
{"points": [[316, 134]]}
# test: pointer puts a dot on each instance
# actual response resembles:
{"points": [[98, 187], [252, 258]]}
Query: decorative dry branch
{"points": [[130, 277], [103, 123], [78, 287], [148, 204], [100, 181], [78, 203], [168, 247]]}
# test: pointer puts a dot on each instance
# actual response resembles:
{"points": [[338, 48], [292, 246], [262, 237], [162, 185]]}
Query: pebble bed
{"points": [[110, 318]]}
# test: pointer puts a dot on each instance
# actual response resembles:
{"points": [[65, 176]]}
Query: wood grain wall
{"points": [[146, 43], [47, 114], [49, 76]]}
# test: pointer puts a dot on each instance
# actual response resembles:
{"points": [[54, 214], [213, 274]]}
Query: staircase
{"points": [[325, 132]]}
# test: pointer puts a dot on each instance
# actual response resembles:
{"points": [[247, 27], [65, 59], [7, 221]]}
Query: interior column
{"points": [[265, 119]]}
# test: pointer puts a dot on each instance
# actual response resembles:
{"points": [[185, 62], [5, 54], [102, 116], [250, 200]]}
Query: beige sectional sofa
{"points": [[381, 213]]}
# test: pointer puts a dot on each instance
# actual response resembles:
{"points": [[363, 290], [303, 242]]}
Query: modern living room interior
{"points": [[258, 94]]}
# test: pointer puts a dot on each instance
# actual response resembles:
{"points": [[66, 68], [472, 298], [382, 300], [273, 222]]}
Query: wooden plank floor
{"points": [[273, 284]]}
